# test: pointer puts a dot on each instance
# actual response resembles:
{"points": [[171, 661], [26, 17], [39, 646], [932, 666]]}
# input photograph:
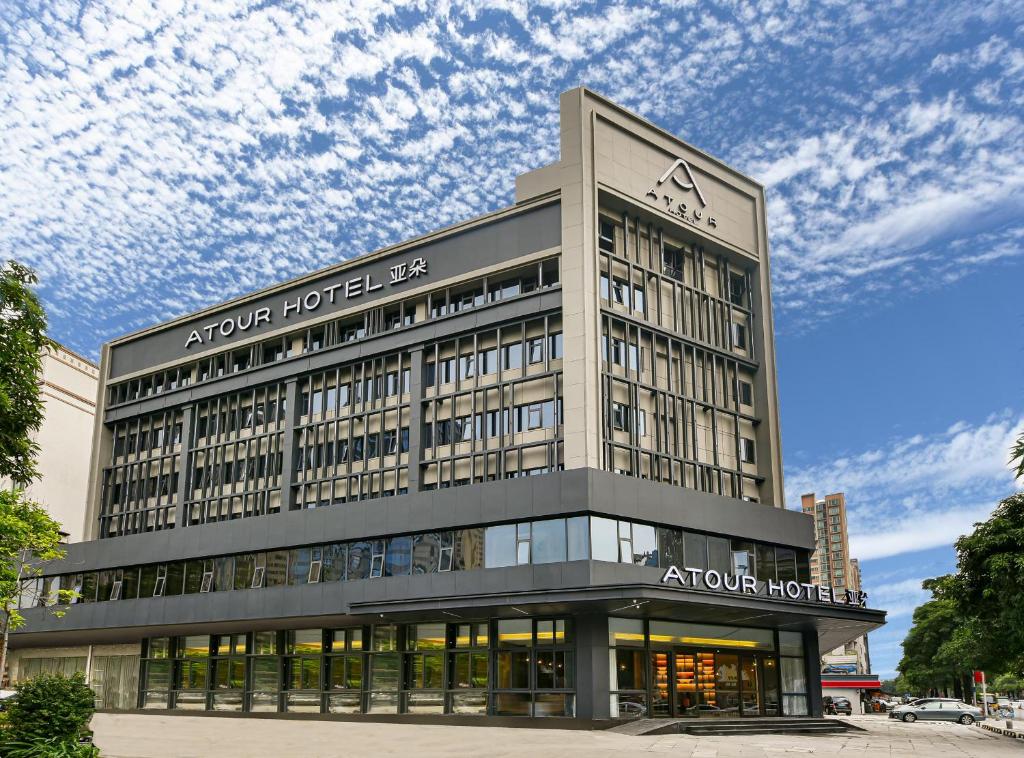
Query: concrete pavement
{"points": [[155, 736]]}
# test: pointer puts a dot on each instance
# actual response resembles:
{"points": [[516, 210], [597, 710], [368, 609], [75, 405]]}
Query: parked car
{"points": [[936, 709], [630, 710], [836, 705]]}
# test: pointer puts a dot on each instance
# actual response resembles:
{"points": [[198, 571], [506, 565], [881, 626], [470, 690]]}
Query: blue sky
{"points": [[157, 157]]}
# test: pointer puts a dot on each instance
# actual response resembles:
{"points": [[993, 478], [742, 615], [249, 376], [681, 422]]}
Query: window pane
{"points": [[334, 559], [625, 632], [264, 674], [500, 546], [513, 670], [791, 643], [515, 632], [695, 550], [469, 549], [549, 541], [578, 539], [359, 560], [794, 678], [298, 565], [277, 569], [512, 704], [604, 543], [427, 637], [305, 641], [385, 672], [630, 669], [765, 562], [645, 545], [245, 565], [426, 553], [670, 547], [719, 555], [398, 557]]}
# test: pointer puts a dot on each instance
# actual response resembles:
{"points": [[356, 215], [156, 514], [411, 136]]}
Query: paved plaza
{"points": [[145, 736]]}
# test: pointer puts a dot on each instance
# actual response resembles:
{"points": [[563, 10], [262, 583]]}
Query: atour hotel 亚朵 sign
{"points": [[349, 289], [720, 581]]}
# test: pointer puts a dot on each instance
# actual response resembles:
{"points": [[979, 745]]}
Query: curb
{"points": [[1016, 734]]}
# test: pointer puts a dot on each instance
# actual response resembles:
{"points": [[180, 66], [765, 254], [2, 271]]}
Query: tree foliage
{"points": [[975, 618], [27, 536], [1017, 457], [50, 708], [22, 339], [988, 582]]}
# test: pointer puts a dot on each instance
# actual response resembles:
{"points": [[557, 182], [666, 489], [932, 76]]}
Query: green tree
{"points": [[988, 587], [27, 536], [1017, 457], [1012, 684], [942, 647], [22, 340]]}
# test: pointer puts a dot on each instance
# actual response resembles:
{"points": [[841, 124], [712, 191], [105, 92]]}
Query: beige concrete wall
{"points": [[605, 148], [17, 657], [68, 389]]}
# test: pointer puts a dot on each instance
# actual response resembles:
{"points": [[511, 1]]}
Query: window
{"points": [[512, 356], [620, 417], [555, 345], [737, 289], [746, 392], [747, 450], [535, 350], [500, 546], [620, 292], [638, 298], [739, 336], [606, 236]]}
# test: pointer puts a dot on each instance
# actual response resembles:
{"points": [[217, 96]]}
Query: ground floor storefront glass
{"points": [[502, 667], [675, 669]]}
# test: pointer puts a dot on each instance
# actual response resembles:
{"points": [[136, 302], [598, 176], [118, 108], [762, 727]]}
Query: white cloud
{"points": [[158, 158], [918, 492], [899, 598]]}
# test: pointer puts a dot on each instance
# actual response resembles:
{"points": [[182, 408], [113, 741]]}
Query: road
{"points": [[155, 736]]}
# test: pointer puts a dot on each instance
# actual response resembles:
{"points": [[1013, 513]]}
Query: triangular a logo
{"points": [[690, 182]]}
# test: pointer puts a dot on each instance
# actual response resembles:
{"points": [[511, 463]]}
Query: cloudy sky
{"points": [[157, 157]]}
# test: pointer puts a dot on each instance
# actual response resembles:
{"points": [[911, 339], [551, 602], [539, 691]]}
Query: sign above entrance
{"points": [[720, 581]]}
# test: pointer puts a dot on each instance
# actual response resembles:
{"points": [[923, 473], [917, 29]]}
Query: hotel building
{"points": [[524, 466]]}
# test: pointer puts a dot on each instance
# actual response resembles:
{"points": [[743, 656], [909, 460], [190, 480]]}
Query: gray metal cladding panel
{"points": [[561, 493], [629, 497], [478, 247]]}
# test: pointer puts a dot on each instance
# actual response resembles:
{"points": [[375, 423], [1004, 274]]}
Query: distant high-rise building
{"points": [[831, 565]]}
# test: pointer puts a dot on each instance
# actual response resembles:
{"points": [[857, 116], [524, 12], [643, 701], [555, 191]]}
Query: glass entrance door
{"points": [[750, 686], [703, 683]]}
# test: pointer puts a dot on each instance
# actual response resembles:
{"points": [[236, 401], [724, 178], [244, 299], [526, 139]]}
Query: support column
{"points": [[188, 429], [291, 418], [415, 417], [592, 683], [813, 662]]}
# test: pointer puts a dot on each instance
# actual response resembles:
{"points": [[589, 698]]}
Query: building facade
{"points": [[68, 386], [525, 466], [832, 566]]}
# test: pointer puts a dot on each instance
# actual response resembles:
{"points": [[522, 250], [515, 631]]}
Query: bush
{"points": [[51, 748], [50, 709]]}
